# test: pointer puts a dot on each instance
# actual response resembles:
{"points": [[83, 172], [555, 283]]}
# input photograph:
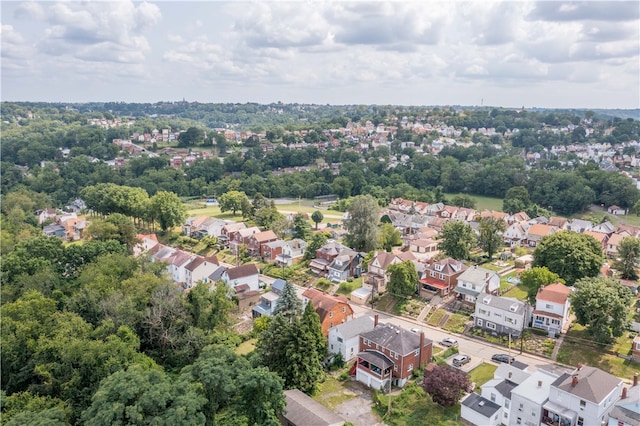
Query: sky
{"points": [[549, 54]]}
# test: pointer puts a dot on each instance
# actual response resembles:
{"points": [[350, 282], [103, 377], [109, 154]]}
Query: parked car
{"points": [[460, 360], [449, 342], [503, 358], [415, 330]]}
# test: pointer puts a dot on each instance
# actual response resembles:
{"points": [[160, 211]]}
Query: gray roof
{"points": [[593, 384], [376, 358], [466, 290], [476, 275], [505, 387], [302, 410], [517, 373], [355, 327], [394, 338], [278, 285], [481, 405], [503, 303]]}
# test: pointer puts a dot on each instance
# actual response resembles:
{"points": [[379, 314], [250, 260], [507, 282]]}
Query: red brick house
{"points": [[257, 240], [333, 310], [389, 354], [229, 231], [325, 256], [441, 277]]}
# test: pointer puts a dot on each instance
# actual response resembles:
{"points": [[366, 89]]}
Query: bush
{"points": [[343, 377]]}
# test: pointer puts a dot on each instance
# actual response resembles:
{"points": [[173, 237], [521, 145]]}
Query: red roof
{"points": [[556, 293], [434, 283]]}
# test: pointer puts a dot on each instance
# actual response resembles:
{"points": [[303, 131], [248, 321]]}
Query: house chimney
{"points": [[510, 374], [539, 383], [635, 379], [579, 366], [375, 321], [574, 381], [624, 393]]}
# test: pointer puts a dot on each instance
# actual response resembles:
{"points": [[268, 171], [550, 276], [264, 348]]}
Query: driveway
{"points": [[358, 410]]}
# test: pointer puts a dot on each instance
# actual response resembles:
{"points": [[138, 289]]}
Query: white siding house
{"points": [[552, 308], [501, 315], [345, 338], [528, 398]]}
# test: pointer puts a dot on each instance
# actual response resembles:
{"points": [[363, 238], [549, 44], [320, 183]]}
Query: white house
{"points": [[345, 338], [244, 275], [528, 398], [177, 265], [475, 281], [626, 411], [515, 234], [501, 315], [199, 269], [552, 308], [292, 252], [584, 397], [478, 410], [498, 390]]}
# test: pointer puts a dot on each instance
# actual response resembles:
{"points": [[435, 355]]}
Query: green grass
{"points": [[578, 347], [247, 347], [197, 208], [386, 303], [332, 392], [456, 323], [436, 317], [482, 202], [482, 374], [346, 288], [504, 284], [412, 407], [519, 292]]}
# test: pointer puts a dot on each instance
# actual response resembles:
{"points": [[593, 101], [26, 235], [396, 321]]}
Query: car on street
{"points": [[460, 360], [415, 330], [507, 359], [449, 342]]}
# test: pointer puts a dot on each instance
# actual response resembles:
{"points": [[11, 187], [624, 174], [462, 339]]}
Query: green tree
{"points": [[117, 227], [342, 186], [490, 238], [362, 223], [191, 137], [317, 217], [464, 200], [288, 304], [516, 200], [389, 237], [310, 324], [210, 308], [602, 304], [317, 241], [457, 240], [570, 255], [260, 397], [301, 227], [167, 209], [533, 279], [628, 255], [404, 279], [232, 201], [145, 396]]}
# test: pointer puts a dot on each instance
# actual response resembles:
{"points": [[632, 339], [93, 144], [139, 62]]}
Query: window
{"points": [[410, 367], [493, 397], [339, 339], [506, 415], [433, 274], [519, 421], [495, 314], [491, 325], [548, 306], [506, 404], [332, 346], [395, 368], [509, 320], [520, 408], [533, 412], [396, 356], [344, 309], [330, 314], [580, 421], [441, 276], [583, 404], [479, 322], [482, 311]]}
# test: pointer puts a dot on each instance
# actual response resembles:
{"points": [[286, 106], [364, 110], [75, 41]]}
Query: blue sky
{"points": [[511, 54]]}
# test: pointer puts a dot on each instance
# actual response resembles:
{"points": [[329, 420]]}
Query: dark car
{"points": [[507, 359]]}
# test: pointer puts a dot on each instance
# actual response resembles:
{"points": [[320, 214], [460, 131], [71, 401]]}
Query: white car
{"points": [[449, 342]]}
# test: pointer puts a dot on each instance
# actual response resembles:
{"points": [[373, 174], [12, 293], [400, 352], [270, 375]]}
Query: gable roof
{"points": [[592, 384], [556, 293], [265, 236], [503, 303], [322, 302], [481, 405], [303, 410], [477, 275], [242, 271], [355, 327], [540, 229], [394, 338], [199, 260]]}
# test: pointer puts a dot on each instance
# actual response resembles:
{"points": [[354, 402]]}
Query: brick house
{"points": [[332, 310], [389, 354], [256, 241], [441, 277], [325, 256], [377, 275]]}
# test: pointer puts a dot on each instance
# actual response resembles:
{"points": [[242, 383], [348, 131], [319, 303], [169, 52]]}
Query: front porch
{"points": [[374, 369], [556, 415]]}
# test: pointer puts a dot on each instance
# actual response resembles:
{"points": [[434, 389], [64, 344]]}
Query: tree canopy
{"points": [[404, 279], [457, 239], [446, 385], [362, 223], [628, 257]]}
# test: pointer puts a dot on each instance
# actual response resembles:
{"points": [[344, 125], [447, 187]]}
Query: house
{"points": [[582, 397], [552, 308], [344, 338], [579, 225], [55, 230], [615, 210], [613, 243], [501, 315], [537, 232], [242, 237], [229, 231], [272, 250], [257, 240], [243, 275], [515, 234], [361, 296], [177, 266], [145, 243], [292, 252], [344, 266], [324, 257], [423, 247], [199, 269], [389, 354], [441, 277], [498, 390], [517, 218], [599, 237], [191, 225], [474, 282], [332, 310], [635, 348], [558, 222], [477, 410], [377, 275], [302, 410], [269, 300], [528, 398], [626, 411], [211, 227], [45, 215]]}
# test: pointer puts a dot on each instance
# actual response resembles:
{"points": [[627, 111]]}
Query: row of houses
{"points": [[586, 396], [64, 225]]}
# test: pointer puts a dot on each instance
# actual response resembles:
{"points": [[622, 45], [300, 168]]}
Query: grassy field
{"points": [[246, 347], [198, 208], [482, 374], [332, 392], [482, 202]]}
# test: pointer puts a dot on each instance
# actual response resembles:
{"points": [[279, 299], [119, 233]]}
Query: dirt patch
{"points": [[358, 409]]}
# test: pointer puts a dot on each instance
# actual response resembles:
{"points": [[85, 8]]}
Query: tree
{"points": [[464, 200], [389, 237], [516, 200], [301, 227], [457, 240], [145, 396], [117, 227], [232, 200], [25, 408], [191, 137], [628, 255], [446, 385], [260, 397], [404, 279], [210, 308], [535, 278], [167, 209], [317, 217], [317, 241], [362, 223], [570, 255], [490, 238], [602, 304], [288, 304], [310, 324]]}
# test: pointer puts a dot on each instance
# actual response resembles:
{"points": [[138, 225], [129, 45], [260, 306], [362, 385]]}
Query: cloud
{"points": [[585, 10]]}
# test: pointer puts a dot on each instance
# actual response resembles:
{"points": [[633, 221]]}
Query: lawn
{"points": [[504, 284], [482, 202], [436, 317], [519, 292], [247, 347], [456, 323], [197, 208], [482, 374], [413, 407], [346, 288], [332, 392], [578, 347]]}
